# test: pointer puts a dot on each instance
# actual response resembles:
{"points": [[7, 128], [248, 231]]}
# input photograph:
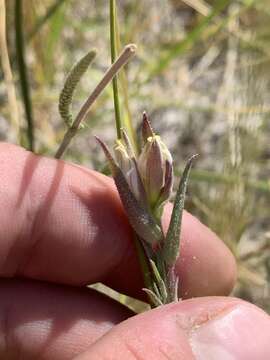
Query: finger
{"points": [[201, 329], [63, 223], [205, 265], [41, 321], [54, 213]]}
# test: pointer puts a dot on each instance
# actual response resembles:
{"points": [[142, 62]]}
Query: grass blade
{"points": [[7, 72], [24, 83]]}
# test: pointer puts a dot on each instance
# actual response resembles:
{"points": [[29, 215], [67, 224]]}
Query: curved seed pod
{"points": [[70, 85], [171, 244], [140, 219]]}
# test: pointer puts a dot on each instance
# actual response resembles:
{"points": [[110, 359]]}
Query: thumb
{"points": [[202, 329]]}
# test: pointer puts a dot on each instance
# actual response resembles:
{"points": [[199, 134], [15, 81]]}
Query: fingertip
{"points": [[62, 211], [153, 335], [238, 331], [201, 329]]}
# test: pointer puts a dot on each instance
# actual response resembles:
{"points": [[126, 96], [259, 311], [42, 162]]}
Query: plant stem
{"points": [[144, 262], [124, 57], [23, 73], [11, 92], [126, 119], [113, 57]]}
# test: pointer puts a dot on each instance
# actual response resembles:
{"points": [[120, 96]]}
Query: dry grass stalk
{"points": [[11, 92]]}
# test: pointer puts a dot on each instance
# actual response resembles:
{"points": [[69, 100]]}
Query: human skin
{"points": [[62, 227]]}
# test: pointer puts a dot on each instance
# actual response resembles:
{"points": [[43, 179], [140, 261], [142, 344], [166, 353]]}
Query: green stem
{"points": [[113, 57], [127, 118], [144, 263], [23, 73]]}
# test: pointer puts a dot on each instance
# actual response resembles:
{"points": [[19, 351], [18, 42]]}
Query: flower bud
{"points": [[155, 167], [140, 219], [128, 167]]}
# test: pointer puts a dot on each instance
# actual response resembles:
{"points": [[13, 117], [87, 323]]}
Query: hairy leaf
{"points": [[171, 246]]}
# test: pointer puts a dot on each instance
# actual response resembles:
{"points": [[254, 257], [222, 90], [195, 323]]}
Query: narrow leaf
{"points": [[160, 282], [153, 297], [110, 159], [156, 290], [172, 241], [127, 143]]}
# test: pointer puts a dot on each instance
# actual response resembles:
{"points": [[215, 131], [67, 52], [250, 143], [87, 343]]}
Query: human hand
{"points": [[61, 227]]}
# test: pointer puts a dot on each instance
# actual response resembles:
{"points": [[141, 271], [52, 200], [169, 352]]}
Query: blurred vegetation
{"points": [[202, 73]]}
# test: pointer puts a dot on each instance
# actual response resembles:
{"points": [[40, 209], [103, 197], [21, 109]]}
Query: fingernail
{"points": [[240, 332]]}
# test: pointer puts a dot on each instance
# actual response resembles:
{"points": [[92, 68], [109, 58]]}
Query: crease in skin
{"points": [[241, 333], [133, 351], [168, 357], [5, 332], [202, 320], [191, 323], [211, 315], [8, 346]]}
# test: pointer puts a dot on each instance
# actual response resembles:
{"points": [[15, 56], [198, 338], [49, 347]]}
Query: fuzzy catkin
{"points": [[70, 85]]}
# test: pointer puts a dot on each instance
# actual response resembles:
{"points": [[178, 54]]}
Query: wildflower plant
{"points": [[144, 183], [143, 177]]}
